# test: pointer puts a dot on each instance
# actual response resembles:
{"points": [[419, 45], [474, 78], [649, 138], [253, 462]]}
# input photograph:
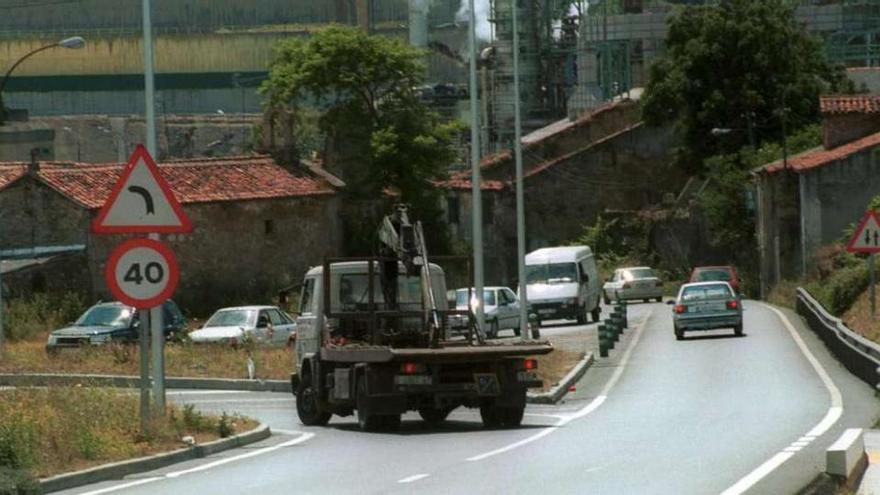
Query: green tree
{"points": [[739, 64], [380, 137]]}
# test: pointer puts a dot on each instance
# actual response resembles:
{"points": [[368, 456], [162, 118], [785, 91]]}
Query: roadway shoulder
{"points": [[57, 379]]}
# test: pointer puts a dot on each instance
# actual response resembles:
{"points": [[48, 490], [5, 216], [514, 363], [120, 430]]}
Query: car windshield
{"points": [[461, 297], [704, 292], [105, 316], [713, 276], [551, 273], [637, 273], [232, 318]]}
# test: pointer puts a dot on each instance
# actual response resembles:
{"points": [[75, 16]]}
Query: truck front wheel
{"points": [[307, 407]]}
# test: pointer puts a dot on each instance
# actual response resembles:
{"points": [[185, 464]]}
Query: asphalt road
{"points": [[711, 414]]}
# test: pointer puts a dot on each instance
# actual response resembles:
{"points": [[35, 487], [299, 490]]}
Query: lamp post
{"points": [[73, 43]]}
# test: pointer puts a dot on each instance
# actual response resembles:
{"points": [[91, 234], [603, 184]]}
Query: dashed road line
{"points": [[592, 406], [414, 477]]}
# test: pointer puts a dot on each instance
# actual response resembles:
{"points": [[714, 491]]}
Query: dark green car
{"points": [[706, 306]]}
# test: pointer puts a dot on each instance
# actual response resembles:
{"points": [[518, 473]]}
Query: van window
{"points": [[551, 273], [305, 304]]}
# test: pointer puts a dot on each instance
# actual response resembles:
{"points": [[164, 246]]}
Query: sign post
{"points": [[143, 272], [866, 239]]}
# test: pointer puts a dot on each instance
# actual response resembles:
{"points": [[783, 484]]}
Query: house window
{"points": [[452, 209], [269, 227]]}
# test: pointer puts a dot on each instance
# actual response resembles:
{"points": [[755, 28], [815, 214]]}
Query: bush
{"points": [[18, 482], [30, 317], [839, 291]]}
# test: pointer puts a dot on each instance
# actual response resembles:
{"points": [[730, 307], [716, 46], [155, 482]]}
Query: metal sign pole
{"points": [[1, 306], [872, 294], [477, 200], [156, 323], [520, 194], [144, 347]]}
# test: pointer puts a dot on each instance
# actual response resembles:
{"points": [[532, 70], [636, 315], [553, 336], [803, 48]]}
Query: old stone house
{"points": [[608, 159], [258, 225], [806, 201]]}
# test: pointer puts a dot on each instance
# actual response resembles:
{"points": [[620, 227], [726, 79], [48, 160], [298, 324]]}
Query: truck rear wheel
{"points": [[513, 416], [434, 416], [307, 407], [491, 415]]}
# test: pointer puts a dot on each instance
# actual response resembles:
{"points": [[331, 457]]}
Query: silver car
{"points": [[635, 282], [707, 306], [500, 305], [263, 324]]}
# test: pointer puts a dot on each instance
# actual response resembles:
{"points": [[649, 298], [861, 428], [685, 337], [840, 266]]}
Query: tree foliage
{"points": [[737, 65], [383, 138]]}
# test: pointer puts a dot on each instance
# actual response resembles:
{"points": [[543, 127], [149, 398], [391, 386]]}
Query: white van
{"points": [[562, 282]]}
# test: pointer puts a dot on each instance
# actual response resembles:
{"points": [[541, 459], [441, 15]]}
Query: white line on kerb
{"points": [[831, 417], [592, 406], [414, 477], [302, 438]]}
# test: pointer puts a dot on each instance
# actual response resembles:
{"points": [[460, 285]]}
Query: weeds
{"points": [[58, 429], [26, 318]]}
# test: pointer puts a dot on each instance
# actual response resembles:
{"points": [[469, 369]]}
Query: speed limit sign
{"points": [[142, 273]]}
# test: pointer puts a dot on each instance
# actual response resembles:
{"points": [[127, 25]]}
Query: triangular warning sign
{"points": [[141, 201], [867, 236]]}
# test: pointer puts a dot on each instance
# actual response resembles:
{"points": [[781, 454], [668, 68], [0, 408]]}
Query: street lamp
{"points": [[73, 43]]}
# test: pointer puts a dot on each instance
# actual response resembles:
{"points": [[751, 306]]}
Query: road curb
{"points": [[558, 392], [123, 381], [118, 470]]}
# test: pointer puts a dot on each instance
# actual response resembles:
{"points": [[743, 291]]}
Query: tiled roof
{"points": [[820, 157], [463, 181], [193, 181], [838, 104], [10, 173]]}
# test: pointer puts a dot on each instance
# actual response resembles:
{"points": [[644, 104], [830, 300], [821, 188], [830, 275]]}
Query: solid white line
{"points": [[831, 417], [304, 437], [207, 392], [122, 487], [233, 401], [412, 478], [592, 406], [266, 450]]}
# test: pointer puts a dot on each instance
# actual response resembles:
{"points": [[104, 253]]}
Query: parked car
{"points": [[721, 273], [112, 321], [562, 282], [636, 282], [263, 324], [706, 306], [500, 307]]}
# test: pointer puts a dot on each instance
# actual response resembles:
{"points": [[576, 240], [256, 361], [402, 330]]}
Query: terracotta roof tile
{"points": [[821, 157], [193, 181], [462, 180], [837, 104], [9, 173]]}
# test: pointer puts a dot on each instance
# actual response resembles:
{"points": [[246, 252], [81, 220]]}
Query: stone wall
{"points": [[240, 251]]}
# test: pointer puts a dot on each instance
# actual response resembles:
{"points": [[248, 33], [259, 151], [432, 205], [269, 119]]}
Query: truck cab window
{"points": [[305, 306]]}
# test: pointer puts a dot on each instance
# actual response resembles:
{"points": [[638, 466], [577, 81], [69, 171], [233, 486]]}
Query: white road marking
{"points": [[207, 392], [592, 406], [302, 438], [235, 401], [414, 477], [831, 417]]}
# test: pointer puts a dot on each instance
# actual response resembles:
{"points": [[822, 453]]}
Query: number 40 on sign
{"points": [[142, 273]]}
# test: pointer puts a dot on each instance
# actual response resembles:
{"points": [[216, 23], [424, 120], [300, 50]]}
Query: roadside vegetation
{"points": [[181, 360], [47, 431]]}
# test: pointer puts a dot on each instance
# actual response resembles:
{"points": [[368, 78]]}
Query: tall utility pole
{"points": [[520, 195], [477, 207], [153, 323]]}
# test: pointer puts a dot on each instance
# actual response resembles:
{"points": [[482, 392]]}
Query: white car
{"points": [[263, 324], [500, 307], [635, 282]]}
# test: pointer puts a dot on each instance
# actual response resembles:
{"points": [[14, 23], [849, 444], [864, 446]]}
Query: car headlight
{"points": [[52, 340]]}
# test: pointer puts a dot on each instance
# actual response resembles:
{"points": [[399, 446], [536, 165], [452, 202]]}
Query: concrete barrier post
{"points": [[603, 342]]}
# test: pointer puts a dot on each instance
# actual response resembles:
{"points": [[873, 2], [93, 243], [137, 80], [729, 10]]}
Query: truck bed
{"points": [[355, 353]]}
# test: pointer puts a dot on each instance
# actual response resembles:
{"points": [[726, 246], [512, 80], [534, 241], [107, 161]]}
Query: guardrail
{"points": [[858, 354]]}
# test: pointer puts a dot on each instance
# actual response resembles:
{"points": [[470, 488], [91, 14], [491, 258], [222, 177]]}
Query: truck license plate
{"points": [[487, 384]]}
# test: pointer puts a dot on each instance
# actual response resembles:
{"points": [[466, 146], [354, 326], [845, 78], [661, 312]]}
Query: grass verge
{"points": [[181, 360], [553, 367], [54, 430]]}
